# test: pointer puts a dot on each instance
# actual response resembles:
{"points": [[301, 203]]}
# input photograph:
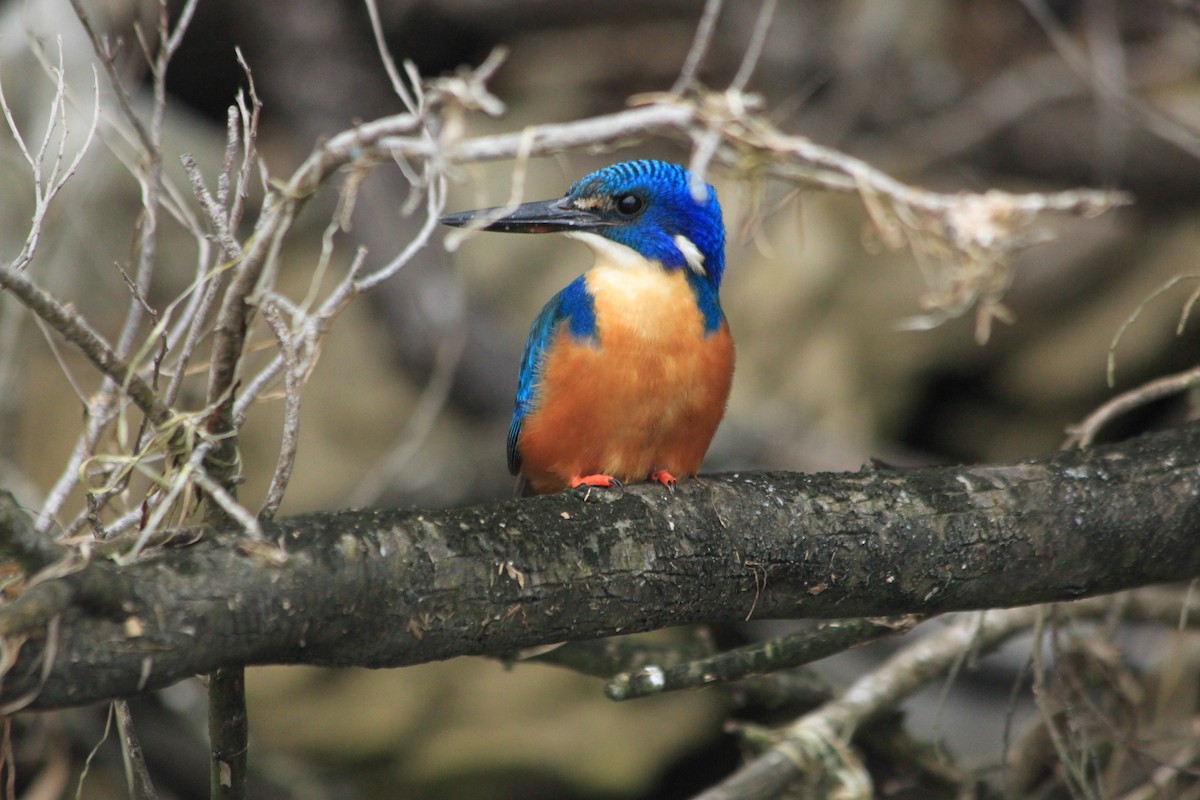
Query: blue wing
{"points": [[572, 305]]}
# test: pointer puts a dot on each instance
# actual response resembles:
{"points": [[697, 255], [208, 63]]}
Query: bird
{"points": [[627, 371]]}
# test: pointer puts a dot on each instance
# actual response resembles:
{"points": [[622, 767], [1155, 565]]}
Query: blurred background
{"points": [[410, 402]]}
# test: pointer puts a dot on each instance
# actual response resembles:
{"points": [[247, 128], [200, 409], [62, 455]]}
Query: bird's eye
{"points": [[629, 204]]}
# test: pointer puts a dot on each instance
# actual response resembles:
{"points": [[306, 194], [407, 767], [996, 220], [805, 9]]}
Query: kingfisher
{"points": [[626, 371]]}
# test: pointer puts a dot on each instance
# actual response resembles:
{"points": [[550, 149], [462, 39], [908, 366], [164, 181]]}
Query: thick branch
{"points": [[390, 588]]}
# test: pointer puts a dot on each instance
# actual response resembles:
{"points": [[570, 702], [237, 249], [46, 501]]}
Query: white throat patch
{"points": [[615, 254], [691, 254], [612, 254]]}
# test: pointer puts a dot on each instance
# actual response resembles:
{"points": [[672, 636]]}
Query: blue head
{"points": [[646, 206]]}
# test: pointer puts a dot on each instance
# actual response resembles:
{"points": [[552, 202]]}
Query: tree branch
{"points": [[389, 588], [785, 652], [91, 344], [817, 743]]}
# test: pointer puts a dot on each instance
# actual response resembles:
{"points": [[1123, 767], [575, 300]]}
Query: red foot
{"points": [[665, 478], [601, 481]]}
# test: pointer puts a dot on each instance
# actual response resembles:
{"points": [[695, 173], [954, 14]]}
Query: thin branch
{"points": [[228, 733], [1072, 776], [149, 175], [314, 327], [214, 213], [435, 197], [108, 60], [293, 375], [1084, 433], [992, 219], [56, 350], [226, 501], [72, 327], [137, 776], [1170, 283], [242, 129], [47, 187], [603, 658], [175, 38], [389, 63], [785, 652], [821, 738], [167, 501], [700, 46], [68, 479], [249, 118], [754, 48]]}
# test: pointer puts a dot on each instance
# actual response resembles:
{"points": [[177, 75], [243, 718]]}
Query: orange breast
{"points": [[649, 397]]}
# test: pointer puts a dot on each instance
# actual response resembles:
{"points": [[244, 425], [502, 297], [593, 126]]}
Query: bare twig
{"points": [[279, 212], [137, 776], [700, 45], [47, 186], [150, 172], [214, 211], [1084, 433], [967, 239], [293, 374], [754, 48], [972, 233], [785, 652], [228, 733], [821, 738], [1171, 283], [68, 479], [109, 60], [249, 117], [223, 219], [1075, 777], [147, 168], [228, 503], [389, 63], [91, 344]]}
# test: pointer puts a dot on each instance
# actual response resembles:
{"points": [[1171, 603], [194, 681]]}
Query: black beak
{"points": [[544, 216]]}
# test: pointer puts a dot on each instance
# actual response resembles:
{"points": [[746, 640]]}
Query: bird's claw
{"points": [[665, 478], [595, 481]]}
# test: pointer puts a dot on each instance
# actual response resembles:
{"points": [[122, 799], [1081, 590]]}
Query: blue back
{"points": [[669, 211]]}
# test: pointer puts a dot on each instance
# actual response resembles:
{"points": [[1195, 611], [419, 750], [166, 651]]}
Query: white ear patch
{"points": [[691, 254]]}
